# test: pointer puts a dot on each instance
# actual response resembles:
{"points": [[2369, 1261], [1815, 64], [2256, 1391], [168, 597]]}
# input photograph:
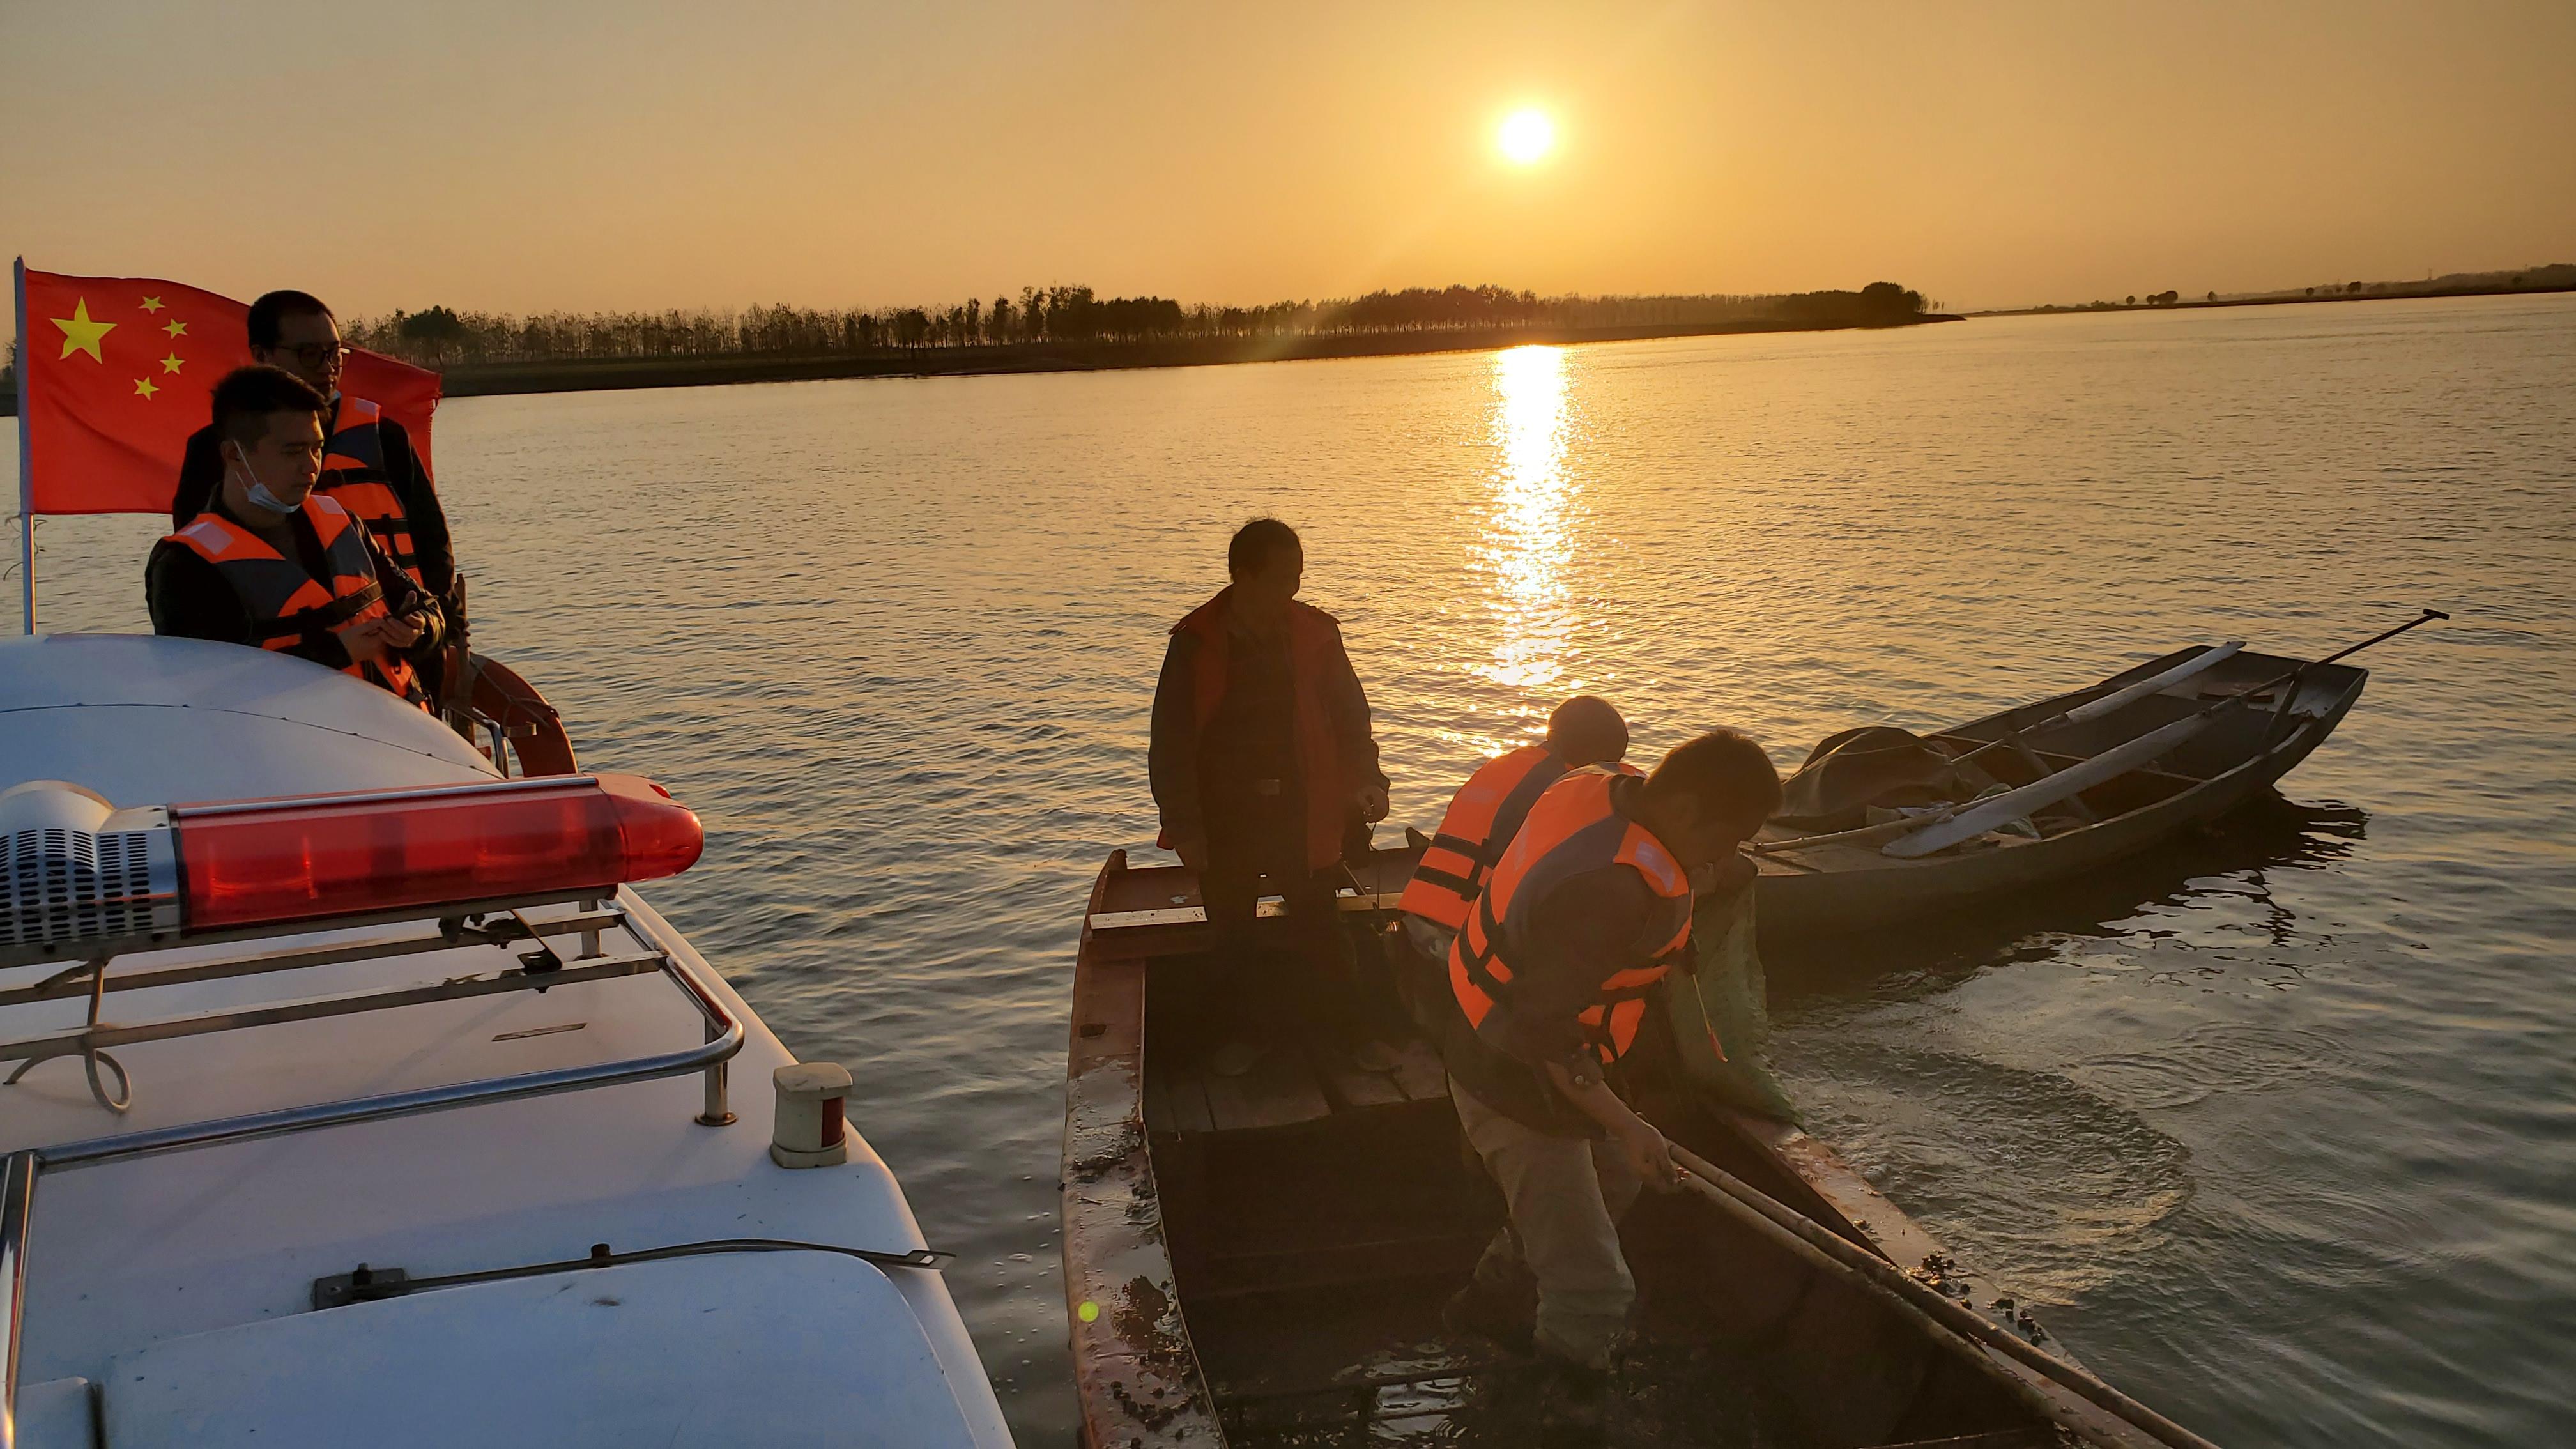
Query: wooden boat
{"points": [[1261, 1259], [2282, 709]]}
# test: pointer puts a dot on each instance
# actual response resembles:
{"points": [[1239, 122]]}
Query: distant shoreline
{"points": [[496, 379], [605, 374], [2187, 304]]}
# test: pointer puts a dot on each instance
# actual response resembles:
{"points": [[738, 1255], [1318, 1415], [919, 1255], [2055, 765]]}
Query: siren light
{"points": [[192, 869]]}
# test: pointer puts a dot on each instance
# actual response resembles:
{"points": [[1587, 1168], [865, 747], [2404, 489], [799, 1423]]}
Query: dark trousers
{"points": [[1266, 983]]}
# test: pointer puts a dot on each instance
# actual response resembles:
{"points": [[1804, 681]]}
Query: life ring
{"points": [[487, 697]]}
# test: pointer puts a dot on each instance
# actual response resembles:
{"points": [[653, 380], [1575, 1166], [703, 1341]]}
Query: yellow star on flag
{"points": [[143, 387], [81, 334], [176, 328], [151, 304], [170, 363]]}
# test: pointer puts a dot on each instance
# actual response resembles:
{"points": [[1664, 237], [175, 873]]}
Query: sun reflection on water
{"points": [[1529, 534]]}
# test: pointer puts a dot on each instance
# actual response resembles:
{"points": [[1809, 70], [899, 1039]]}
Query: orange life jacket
{"points": [[283, 600], [1483, 819], [1574, 828], [1312, 643], [354, 476]]}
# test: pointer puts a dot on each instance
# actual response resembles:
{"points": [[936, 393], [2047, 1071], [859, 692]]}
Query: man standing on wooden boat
{"points": [[1488, 810], [368, 466], [271, 563], [1262, 762], [1553, 977]]}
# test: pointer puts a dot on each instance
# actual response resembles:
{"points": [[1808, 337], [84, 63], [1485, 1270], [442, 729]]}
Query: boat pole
{"points": [[2427, 617], [1847, 1259]]}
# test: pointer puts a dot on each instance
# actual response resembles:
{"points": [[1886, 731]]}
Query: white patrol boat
{"points": [[353, 1097]]}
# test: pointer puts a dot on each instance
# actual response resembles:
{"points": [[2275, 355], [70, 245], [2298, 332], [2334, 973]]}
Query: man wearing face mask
{"points": [[271, 562], [1262, 762], [368, 466]]}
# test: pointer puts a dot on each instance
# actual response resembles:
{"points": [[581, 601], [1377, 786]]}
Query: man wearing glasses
{"points": [[368, 467]]}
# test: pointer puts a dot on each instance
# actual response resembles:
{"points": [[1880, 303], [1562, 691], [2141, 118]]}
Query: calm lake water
{"points": [[2281, 1126]]}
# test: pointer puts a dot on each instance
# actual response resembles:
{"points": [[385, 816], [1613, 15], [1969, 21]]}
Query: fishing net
{"points": [[1721, 1026], [1875, 768]]}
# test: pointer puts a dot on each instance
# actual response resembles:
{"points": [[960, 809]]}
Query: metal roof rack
{"points": [[499, 923]]}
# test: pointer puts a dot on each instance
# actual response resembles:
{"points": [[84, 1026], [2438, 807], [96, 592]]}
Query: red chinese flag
{"points": [[120, 370]]}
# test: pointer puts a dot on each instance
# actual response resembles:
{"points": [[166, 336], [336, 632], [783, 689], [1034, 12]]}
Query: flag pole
{"points": [[26, 471]]}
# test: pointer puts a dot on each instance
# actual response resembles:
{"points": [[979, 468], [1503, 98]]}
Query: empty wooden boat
{"points": [[1261, 1259], [2258, 716]]}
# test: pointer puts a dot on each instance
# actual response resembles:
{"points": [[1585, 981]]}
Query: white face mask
{"points": [[258, 496]]}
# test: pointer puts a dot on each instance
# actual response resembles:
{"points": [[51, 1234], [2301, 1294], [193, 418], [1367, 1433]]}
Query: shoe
{"points": [[1234, 1058], [1476, 1311]]}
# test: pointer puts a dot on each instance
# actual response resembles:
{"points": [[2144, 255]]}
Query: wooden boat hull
{"points": [[1260, 1261], [1842, 890]]}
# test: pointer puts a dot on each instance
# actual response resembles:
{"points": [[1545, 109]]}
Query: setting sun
{"points": [[1526, 136]]}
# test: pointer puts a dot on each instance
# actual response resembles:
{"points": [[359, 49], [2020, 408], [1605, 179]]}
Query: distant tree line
{"points": [[2556, 277], [1040, 316]]}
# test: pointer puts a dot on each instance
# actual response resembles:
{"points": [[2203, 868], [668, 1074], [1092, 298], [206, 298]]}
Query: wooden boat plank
{"points": [[1279, 1090], [1185, 1102], [1351, 1086]]}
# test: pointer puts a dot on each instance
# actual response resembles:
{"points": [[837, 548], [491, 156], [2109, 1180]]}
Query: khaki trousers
{"points": [[1566, 1196]]}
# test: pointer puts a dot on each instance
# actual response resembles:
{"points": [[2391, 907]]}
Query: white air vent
{"points": [[65, 879]]}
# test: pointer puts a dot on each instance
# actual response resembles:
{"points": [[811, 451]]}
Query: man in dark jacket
{"points": [[1262, 762], [296, 333], [269, 431]]}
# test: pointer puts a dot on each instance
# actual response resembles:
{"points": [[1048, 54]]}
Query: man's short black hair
{"points": [[1725, 771], [275, 308], [1586, 730], [1257, 543], [249, 396]]}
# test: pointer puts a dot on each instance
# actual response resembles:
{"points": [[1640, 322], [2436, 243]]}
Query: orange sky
{"points": [[516, 156]]}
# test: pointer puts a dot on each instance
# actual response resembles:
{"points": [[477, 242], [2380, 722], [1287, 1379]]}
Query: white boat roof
{"points": [[180, 1284], [151, 721]]}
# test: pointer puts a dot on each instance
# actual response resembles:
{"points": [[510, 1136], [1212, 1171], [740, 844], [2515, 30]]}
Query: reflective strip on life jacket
{"points": [[1479, 824], [284, 602], [1573, 829], [354, 476]]}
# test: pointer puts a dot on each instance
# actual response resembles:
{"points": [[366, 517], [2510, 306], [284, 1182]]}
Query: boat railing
{"points": [[497, 924]]}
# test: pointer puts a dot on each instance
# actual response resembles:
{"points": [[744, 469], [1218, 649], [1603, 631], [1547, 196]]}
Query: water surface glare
{"points": [[2280, 1126]]}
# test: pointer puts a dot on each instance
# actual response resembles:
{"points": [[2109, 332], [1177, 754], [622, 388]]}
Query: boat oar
{"points": [[1839, 1255], [2185, 670]]}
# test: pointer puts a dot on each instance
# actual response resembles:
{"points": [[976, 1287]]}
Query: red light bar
{"points": [[261, 862]]}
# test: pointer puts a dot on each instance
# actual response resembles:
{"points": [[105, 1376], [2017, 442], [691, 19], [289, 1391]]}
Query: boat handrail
{"points": [[96, 978], [20, 1169]]}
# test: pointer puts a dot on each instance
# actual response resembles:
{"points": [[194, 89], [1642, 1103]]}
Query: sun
{"points": [[1526, 136]]}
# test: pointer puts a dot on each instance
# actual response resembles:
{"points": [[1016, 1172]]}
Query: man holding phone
{"points": [[272, 564]]}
